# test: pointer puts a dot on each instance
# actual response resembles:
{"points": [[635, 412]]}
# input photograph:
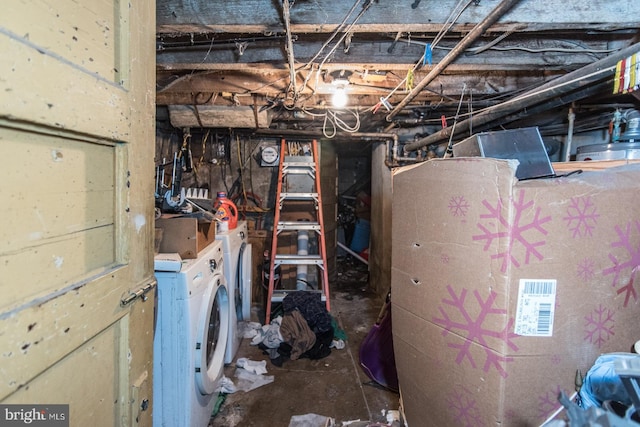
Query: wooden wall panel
{"points": [[88, 403], [87, 103], [59, 224], [78, 33]]}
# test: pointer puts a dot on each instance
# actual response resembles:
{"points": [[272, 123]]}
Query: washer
{"points": [[237, 271], [190, 338]]}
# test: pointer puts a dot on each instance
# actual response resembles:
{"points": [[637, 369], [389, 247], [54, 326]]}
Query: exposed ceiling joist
{"points": [[246, 54], [263, 17]]}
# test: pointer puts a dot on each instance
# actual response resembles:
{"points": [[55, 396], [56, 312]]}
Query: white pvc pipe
{"points": [[567, 151], [302, 270]]}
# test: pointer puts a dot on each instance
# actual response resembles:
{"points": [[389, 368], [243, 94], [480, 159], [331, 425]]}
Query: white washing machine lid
{"points": [[211, 336], [171, 262]]}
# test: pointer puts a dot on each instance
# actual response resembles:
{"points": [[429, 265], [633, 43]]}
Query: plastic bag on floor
{"points": [[247, 381], [311, 420]]}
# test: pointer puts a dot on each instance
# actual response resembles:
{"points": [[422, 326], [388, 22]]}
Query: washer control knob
{"points": [[213, 265]]}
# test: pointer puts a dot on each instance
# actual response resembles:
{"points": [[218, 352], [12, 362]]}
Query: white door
{"points": [[77, 90]]}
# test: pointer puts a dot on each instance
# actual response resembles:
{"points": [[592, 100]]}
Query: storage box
{"points": [[502, 289], [185, 235]]}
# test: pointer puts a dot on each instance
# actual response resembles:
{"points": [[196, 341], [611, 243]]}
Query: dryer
{"points": [[190, 337], [238, 272]]}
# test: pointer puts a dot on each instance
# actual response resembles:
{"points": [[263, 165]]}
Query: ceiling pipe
{"points": [[286, 15], [555, 102], [577, 79], [365, 136], [473, 35]]}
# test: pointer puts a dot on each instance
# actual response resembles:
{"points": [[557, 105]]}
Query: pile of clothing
{"points": [[305, 330]]}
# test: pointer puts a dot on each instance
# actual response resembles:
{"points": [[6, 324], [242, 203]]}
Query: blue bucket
{"points": [[360, 239]]}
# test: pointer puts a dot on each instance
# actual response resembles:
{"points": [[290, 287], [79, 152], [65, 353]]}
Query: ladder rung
{"points": [[298, 259], [295, 171], [299, 196], [308, 165], [298, 225], [305, 160], [279, 294]]}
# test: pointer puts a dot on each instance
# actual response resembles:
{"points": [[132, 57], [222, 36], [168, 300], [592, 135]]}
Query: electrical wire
{"points": [[333, 35], [489, 46], [346, 32], [448, 23], [445, 28], [332, 122], [449, 149]]}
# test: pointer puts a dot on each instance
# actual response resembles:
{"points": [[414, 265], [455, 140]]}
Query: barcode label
{"points": [[535, 308], [539, 287]]}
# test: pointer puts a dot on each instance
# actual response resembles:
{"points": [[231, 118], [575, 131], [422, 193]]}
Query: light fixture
{"points": [[340, 98]]}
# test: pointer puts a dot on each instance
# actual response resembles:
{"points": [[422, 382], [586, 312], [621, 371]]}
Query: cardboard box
{"points": [[185, 235], [502, 289]]}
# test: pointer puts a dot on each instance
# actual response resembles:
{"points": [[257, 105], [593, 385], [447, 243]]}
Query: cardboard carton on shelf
{"points": [[502, 289], [185, 235]]}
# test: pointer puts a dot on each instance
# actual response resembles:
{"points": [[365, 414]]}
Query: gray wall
{"points": [[381, 206]]}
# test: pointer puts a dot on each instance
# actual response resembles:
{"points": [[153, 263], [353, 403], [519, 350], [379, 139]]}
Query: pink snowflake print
{"points": [[581, 216], [512, 414], [464, 409], [519, 234], [599, 326], [473, 330], [548, 403], [556, 359], [632, 263], [458, 206], [586, 270], [444, 258]]}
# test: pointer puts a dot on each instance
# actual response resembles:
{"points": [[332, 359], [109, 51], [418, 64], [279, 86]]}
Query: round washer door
{"points": [[211, 339]]}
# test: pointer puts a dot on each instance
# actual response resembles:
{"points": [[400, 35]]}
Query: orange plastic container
{"points": [[226, 212]]}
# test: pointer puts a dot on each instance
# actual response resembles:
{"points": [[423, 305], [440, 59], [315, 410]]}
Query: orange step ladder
{"points": [[298, 212]]}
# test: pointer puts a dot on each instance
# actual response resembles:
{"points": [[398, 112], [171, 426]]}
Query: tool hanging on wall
{"points": [[184, 156]]}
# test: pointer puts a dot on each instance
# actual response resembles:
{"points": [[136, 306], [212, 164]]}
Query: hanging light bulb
{"points": [[340, 98]]}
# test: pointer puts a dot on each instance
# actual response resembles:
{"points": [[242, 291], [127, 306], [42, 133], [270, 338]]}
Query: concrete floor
{"points": [[334, 387]]}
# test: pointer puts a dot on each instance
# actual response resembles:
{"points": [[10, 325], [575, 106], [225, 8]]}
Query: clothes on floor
{"points": [[296, 332], [311, 307]]}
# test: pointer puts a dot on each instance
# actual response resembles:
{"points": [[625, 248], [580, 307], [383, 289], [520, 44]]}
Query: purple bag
{"points": [[376, 351]]}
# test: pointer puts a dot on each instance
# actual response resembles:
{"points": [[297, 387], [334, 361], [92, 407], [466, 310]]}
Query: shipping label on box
{"points": [[502, 289]]}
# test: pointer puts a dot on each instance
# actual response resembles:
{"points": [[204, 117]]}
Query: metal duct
{"points": [[581, 77]]}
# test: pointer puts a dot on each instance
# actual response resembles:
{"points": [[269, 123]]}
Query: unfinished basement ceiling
{"points": [[274, 66]]}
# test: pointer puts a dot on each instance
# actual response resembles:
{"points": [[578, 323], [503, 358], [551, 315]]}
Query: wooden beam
{"points": [[262, 16], [206, 87]]}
